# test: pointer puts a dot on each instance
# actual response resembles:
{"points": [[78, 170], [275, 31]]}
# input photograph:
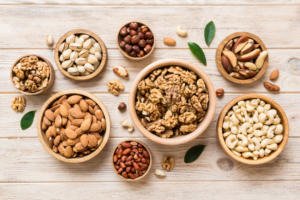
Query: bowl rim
{"points": [[219, 54], [51, 80], [41, 132], [201, 127], [132, 140], [280, 112], [125, 53], [91, 34]]}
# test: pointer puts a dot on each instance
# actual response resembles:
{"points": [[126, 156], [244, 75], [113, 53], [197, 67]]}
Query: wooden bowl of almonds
{"points": [[73, 126], [32, 74], [80, 55]]}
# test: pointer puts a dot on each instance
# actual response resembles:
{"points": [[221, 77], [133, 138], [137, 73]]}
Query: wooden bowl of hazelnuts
{"points": [[136, 40]]}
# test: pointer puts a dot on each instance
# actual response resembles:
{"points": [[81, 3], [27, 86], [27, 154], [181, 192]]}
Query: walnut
{"points": [[189, 90], [37, 79], [114, 86], [166, 134], [155, 96], [20, 74], [161, 83], [32, 59], [187, 117], [31, 86], [156, 127], [167, 163], [18, 104], [170, 120], [184, 129], [157, 72], [173, 94]]}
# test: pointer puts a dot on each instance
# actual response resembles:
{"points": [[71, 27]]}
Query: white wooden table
{"points": [[27, 171]]}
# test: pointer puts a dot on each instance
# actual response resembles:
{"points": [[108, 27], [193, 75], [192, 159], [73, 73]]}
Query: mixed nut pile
{"points": [[131, 159], [74, 126], [136, 40], [31, 74], [242, 58], [252, 129], [80, 55], [171, 101]]}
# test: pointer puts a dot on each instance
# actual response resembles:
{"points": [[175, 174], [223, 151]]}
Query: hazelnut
{"points": [[147, 48], [123, 32], [149, 41], [133, 26], [144, 29], [128, 30], [142, 43], [141, 53], [136, 48], [148, 35], [135, 39], [127, 39], [122, 106], [122, 44], [220, 92], [139, 29], [128, 48], [132, 54], [133, 32], [142, 35]]}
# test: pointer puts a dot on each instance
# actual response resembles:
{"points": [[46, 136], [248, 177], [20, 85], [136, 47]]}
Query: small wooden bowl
{"points": [[51, 80], [102, 63], [119, 39], [280, 112], [42, 135], [140, 177], [219, 54], [183, 138]]}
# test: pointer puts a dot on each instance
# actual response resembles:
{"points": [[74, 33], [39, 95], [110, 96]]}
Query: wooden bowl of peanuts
{"points": [[253, 129], [73, 126]]}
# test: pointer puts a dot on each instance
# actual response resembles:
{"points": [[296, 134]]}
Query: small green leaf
{"points": [[193, 153], [197, 51], [27, 120], [209, 32]]}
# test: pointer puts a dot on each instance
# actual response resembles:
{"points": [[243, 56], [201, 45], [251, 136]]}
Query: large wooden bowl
{"points": [[183, 138], [42, 135], [284, 122], [51, 79], [140, 177], [102, 63], [119, 39], [219, 54]]}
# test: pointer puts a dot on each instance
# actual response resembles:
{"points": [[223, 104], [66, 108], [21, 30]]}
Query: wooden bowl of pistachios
{"points": [[80, 54]]}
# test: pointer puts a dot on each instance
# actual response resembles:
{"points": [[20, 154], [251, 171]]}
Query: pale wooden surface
{"points": [[27, 171]]}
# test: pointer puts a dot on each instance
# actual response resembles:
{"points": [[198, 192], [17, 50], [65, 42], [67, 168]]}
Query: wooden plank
{"points": [[287, 81], [11, 124], [25, 160], [271, 23], [247, 190]]}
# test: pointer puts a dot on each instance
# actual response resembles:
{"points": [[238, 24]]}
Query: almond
{"points": [[96, 108], [90, 102], [57, 140], [64, 111], [76, 113], [99, 114], [77, 122], [77, 107], [79, 131], [83, 105], [274, 75], [53, 131], [74, 99], [44, 126], [84, 140], [68, 106], [46, 121], [103, 124], [58, 121], [70, 133], [95, 127], [64, 121], [86, 124], [121, 71], [91, 110], [56, 113], [61, 149], [61, 99], [97, 135], [92, 141], [73, 128], [271, 87], [169, 41], [68, 152], [73, 142], [79, 146], [50, 115]]}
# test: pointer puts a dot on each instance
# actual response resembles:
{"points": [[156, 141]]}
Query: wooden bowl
{"points": [[102, 63], [140, 177], [183, 138], [124, 52], [51, 80], [219, 54], [42, 136], [284, 122]]}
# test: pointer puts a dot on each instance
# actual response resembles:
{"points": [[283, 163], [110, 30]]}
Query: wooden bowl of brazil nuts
{"points": [[148, 162], [280, 113], [51, 78], [225, 42], [61, 122], [97, 69]]}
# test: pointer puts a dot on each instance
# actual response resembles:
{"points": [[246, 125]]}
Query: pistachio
{"points": [[66, 64], [75, 46], [97, 47], [96, 65], [92, 50], [66, 54], [49, 40], [87, 44], [80, 41], [81, 61], [84, 53], [81, 69], [61, 58], [70, 39], [92, 59], [84, 37], [88, 67], [64, 46], [74, 56], [98, 55], [73, 71]]}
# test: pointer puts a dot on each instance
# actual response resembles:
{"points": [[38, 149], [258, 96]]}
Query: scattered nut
{"points": [[127, 124], [122, 106], [271, 87], [49, 40], [121, 71], [220, 92], [18, 104], [160, 173], [274, 75], [114, 86], [167, 163], [181, 32], [169, 41]]}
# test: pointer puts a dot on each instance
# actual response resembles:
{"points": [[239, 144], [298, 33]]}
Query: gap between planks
{"points": [[153, 5]]}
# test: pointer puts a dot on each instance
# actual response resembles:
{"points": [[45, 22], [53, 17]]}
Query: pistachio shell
{"points": [[88, 67], [75, 46], [92, 59], [81, 61], [87, 44], [74, 56], [66, 64], [92, 50], [73, 71], [97, 47], [64, 46], [61, 58], [81, 69], [98, 55], [84, 37], [84, 53], [66, 54], [70, 39]]}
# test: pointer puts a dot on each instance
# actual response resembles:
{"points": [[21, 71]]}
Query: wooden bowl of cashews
{"points": [[253, 129]]}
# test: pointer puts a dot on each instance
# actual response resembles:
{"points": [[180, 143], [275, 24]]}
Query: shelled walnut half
{"points": [[18, 103], [167, 163]]}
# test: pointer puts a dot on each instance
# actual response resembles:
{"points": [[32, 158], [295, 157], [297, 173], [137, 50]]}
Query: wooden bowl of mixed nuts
{"points": [[253, 129], [80, 55], [172, 101], [32, 74], [242, 58], [131, 160], [73, 126], [136, 40]]}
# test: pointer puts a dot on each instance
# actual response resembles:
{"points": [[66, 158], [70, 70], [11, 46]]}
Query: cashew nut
{"points": [[244, 139], [249, 108], [254, 103], [262, 103], [247, 154], [251, 147], [245, 126], [241, 104], [241, 149], [272, 146], [278, 129], [225, 135], [278, 138], [267, 151], [260, 109], [266, 142], [226, 122], [270, 133], [261, 153], [234, 130], [231, 141], [267, 107], [236, 153], [255, 155], [276, 120], [128, 124], [262, 117], [258, 133], [256, 142], [181, 32], [256, 126], [234, 120], [272, 112]]}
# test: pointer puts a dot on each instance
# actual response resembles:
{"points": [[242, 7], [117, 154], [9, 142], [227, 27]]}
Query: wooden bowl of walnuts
{"points": [[73, 126], [258, 138], [172, 101], [32, 74], [136, 40], [242, 58]]}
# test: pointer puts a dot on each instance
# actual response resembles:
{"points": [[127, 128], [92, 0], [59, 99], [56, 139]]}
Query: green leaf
{"points": [[209, 32], [27, 120], [197, 51], [193, 153]]}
